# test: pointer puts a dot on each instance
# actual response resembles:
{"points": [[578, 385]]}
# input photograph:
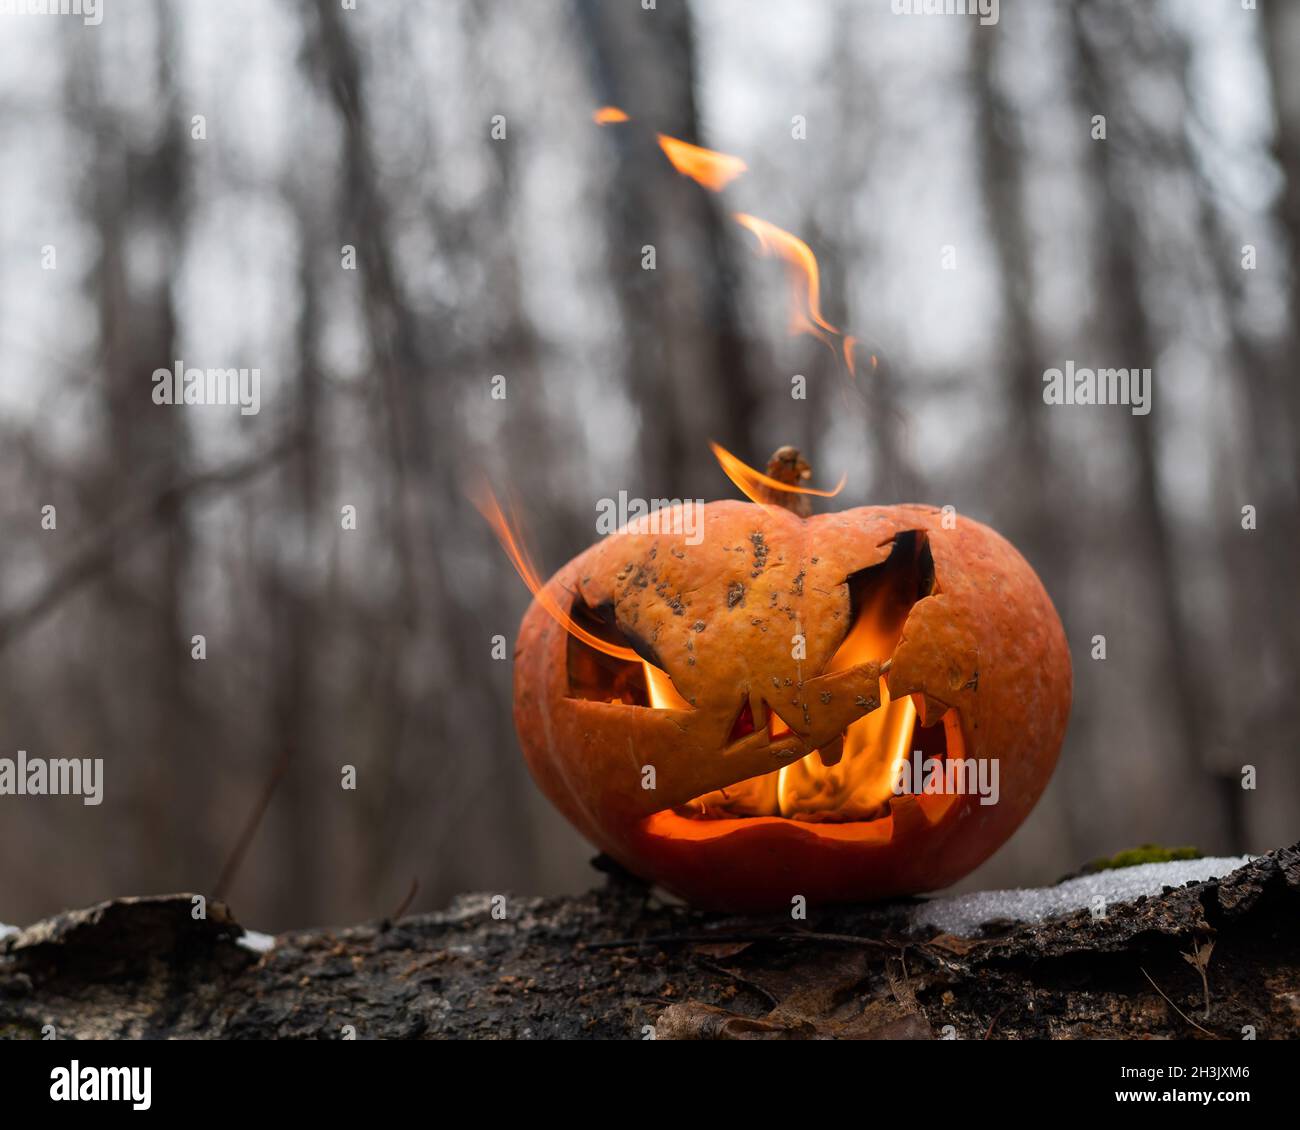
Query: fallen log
{"points": [[622, 963]]}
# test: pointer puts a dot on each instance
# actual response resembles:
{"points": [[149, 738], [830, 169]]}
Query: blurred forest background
{"points": [[522, 257]]}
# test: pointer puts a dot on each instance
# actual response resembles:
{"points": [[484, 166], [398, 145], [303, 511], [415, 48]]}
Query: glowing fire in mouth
{"points": [[853, 779]]}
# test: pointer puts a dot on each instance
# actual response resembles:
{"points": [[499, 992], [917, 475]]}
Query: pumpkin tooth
{"points": [[832, 751]]}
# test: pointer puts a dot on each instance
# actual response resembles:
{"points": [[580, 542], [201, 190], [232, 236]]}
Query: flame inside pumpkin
{"points": [[828, 785]]}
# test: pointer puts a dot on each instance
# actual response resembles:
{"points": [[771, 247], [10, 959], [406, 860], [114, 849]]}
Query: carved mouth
{"points": [[851, 742], [758, 727], [850, 779]]}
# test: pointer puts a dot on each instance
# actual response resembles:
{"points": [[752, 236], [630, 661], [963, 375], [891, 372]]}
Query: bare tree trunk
{"points": [[1025, 462], [686, 359], [896, 477], [133, 195], [1131, 337], [447, 722]]}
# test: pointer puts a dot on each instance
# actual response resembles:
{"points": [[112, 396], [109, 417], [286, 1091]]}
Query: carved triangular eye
{"points": [[598, 676], [881, 596]]}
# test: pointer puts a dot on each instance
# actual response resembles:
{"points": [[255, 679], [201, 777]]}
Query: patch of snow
{"points": [[258, 943], [965, 914]]}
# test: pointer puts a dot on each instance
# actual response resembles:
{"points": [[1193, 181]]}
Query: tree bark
{"points": [[617, 964]]}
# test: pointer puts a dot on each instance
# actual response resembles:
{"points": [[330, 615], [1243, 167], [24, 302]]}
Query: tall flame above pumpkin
{"points": [[714, 171], [805, 279], [708, 167]]}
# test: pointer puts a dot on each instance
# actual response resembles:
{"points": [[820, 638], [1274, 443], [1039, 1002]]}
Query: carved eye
{"points": [[601, 677], [881, 596]]}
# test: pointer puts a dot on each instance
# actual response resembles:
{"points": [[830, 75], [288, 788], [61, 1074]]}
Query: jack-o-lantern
{"points": [[773, 704]]}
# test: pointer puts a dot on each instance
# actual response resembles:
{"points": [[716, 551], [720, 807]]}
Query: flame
{"points": [[859, 785], [856, 788], [708, 167], [515, 549], [663, 695], [806, 315], [875, 746], [659, 686], [715, 170], [749, 480]]}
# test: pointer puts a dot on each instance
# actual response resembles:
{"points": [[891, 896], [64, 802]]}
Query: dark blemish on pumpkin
{"points": [[797, 585], [675, 603], [788, 683], [974, 683], [826, 697], [760, 553], [815, 560], [807, 719], [690, 662], [862, 702], [776, 682], [735, 594], [654, 549], [680, 554], [699, 625]]}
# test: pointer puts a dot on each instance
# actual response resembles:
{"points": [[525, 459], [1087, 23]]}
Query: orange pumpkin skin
{"points": [[983, 655]]}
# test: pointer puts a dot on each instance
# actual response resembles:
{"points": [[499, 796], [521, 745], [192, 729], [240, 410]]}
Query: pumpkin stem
{"points": [[789, 467]]}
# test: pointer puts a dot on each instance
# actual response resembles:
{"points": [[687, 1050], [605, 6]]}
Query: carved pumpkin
{"points": [[742, 745]]}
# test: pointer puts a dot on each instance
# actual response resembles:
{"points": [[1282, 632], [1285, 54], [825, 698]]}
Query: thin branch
{"points": [[236, 858], [752, 986], [137, 520], [1178, 1010], [405, 904]]}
